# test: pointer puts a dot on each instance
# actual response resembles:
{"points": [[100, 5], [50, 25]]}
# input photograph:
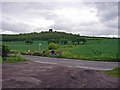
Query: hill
{"points": [[43, 36]]}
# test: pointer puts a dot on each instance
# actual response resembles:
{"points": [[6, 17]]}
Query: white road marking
{"points": [[45, 62]]}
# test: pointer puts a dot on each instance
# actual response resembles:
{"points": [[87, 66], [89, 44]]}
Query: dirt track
{"points": [[39, 75]]}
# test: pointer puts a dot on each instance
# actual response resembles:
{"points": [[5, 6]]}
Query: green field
{"points": [[22, 46], [104, 49]]}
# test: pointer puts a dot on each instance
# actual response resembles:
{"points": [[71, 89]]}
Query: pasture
{"points": [[103, 49], [22, 46]]}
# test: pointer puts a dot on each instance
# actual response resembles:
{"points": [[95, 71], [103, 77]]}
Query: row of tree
{"points": [[28, 42], [50, 37], [79, 40], [40, 36], [64, 41]]}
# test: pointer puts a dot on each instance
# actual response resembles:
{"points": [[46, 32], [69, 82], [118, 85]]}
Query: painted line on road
{"points": [[93, 68], [81, 67], [45, 62]]}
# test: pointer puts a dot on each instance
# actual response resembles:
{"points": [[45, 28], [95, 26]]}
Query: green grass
{"points": [[103, 50], [21, 46], [100, 50], [14, 59], [114, 72]]}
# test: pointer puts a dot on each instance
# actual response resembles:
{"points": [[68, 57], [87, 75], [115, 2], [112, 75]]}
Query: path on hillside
{"points": [[94, 65]]}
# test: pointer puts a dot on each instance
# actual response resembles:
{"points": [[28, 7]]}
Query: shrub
{"points": [[14, 52], [28, 42], [58, 54], [37, 53], [14, 59], [63, 41], [24, 53], [53, 46], [41, 53], [5, 51], [45, 53]]}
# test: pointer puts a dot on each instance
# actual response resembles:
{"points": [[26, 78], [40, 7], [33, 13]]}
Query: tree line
{"points": [[38, 36], [51, 37]]}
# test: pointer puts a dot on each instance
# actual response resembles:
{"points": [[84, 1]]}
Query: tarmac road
{"points": [[41, 75], [94, 65]]}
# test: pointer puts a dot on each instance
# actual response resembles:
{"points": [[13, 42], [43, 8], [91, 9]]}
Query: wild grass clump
{"points": [[114, 72], [14, 58]]}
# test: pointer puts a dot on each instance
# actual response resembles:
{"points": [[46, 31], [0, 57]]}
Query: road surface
{"points": [[94, 65]]}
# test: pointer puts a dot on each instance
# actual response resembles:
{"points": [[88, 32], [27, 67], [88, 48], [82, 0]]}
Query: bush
{"points": [[63, 41], [28, 42], [58, 54], [41, 53], [24, 53], [5, 51], [13, 58], [14, 52], [45, 53], [36, 53], [53, 46]]}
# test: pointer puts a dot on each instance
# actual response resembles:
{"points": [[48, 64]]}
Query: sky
{"points": [[84, 18]]}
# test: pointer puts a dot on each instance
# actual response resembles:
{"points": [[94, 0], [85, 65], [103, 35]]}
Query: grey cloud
{"points": [[106, 12], [112, 24], [62, 24], [48, 15], [42, 5], [14, 7], [96, 31], [8, 25]]}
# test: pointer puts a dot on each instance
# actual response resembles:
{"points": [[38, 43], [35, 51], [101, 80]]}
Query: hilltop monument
{"points": [[50, 30]]}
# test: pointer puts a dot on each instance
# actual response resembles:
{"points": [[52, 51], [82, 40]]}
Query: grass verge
{"points": [[14, 59], [114, 72], [0, 59]]}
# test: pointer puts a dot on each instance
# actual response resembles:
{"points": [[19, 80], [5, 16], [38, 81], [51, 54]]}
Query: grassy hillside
{"points": [[100, 49], [39, 36], [105, 49]]}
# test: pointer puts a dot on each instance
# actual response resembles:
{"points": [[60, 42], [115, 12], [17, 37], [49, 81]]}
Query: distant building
{"points": [[50, 30]]}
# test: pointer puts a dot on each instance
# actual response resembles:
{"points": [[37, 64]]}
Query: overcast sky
{"points": [[84, 18]]}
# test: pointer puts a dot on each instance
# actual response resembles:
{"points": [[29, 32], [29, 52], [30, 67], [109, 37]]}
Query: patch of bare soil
{"points": [[39, 75]]}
